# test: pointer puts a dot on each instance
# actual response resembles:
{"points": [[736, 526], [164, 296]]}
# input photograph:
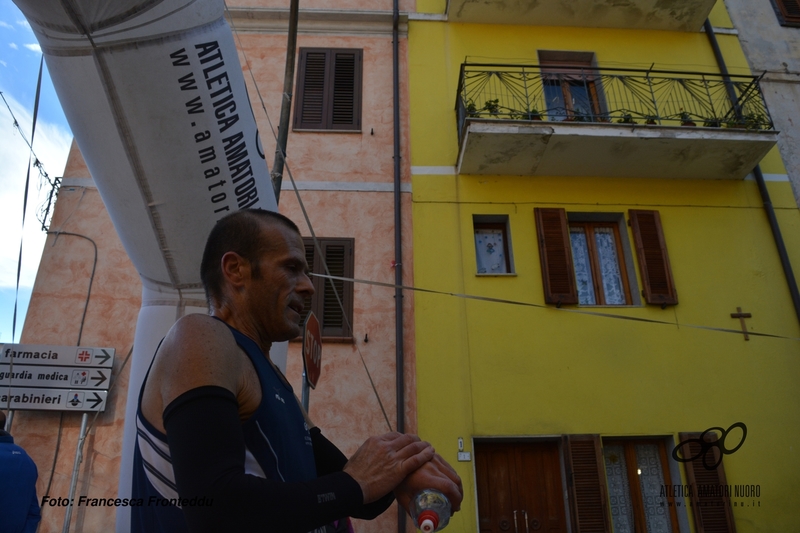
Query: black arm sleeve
{"points": [[329, 459], [208, 452]]}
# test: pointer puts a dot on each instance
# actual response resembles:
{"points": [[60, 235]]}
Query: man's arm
{"points": [[329, 459], [197, 377], [208, 461]]}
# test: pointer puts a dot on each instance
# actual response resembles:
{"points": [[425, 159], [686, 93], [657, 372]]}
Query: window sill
{"points": [[332, 340], [325, 131], [505, 275], [627, 306]]}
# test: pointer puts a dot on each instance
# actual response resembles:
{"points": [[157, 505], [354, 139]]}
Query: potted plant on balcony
{"points": [[579, 114], [686, 119], [734, 123], [651, 119], [530, 114], [712, 123], [471, 109], [755, 121], [748, 121], [492, 106], [626, 118], [533, 114]]}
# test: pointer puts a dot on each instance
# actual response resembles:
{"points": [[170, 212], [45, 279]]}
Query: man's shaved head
{"points": [[241, 232]]}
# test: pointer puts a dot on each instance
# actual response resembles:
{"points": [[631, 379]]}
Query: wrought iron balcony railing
{"points": [[613, 96]]}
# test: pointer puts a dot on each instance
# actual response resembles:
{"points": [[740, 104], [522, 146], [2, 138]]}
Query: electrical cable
{"points": [[25, 200], [24, 211], [54, 183], [550, 307]]}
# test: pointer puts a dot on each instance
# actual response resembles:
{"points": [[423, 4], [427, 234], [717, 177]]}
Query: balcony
{"points": [[529, 120], [676, 15]]}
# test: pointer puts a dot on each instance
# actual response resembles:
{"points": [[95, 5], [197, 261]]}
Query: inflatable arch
{"points": [[154, 94]]}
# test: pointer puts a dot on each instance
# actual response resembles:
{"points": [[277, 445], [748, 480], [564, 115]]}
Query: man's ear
{"points": [[235, 268]]}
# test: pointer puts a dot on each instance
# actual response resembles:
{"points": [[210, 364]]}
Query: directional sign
{"points": [[53, 399], [54, 376], [41, 354], [312, 350]]}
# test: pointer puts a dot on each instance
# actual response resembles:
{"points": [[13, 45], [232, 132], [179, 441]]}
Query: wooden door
{"points": [[519, 488]]}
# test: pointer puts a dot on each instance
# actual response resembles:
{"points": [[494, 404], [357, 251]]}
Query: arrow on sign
{"points": [[99, 379], [105, 357], [97, 400]]}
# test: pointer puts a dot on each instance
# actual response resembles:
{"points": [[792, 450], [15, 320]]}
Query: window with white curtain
{"points": [[492, 244], [599, 262]]}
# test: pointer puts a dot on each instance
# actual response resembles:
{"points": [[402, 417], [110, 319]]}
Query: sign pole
{"points": [[312, 356], [75, 468], [306, 392]]}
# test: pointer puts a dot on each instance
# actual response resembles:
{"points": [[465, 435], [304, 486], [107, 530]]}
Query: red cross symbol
{"points": [[84, 356]]}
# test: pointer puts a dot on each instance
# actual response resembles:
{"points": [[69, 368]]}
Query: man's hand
{"points": [[381, 463], [435, 474]]}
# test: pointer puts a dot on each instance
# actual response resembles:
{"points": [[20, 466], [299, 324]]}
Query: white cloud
{"points": [[4, 24], [51, 145], [24, 23], [3, 63], [33, 47], [13, 45]]}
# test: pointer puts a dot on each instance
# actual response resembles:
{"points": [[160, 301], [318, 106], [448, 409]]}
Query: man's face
{"points": [[277, 291]]}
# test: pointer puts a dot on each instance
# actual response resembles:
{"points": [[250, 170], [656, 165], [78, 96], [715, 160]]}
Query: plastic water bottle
{"points": [[430, 510]]}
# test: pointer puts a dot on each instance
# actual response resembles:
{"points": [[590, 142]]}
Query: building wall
{"points": [[773, 50], [346, 185], [521, 369]]}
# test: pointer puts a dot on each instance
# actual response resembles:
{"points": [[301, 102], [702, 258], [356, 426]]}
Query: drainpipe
{"points": [[762, 186], [398, 243]]}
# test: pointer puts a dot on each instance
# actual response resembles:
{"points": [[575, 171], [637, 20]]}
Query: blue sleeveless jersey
{"points": [[278, 447]]}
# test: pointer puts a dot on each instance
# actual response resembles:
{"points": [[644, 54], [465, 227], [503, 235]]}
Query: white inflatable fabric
{"points": [[154, 93]]}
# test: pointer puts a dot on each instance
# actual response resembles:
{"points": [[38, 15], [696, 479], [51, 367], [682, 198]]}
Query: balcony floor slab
{"points": [[533, 148], [672, 15]]}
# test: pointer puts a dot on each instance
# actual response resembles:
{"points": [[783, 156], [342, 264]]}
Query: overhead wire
{"points": [[25, 194], [44, 212], [24, 212], [554, 308]]}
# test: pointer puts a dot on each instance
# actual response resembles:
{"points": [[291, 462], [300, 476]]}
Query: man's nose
{"points": [[306, 285]]}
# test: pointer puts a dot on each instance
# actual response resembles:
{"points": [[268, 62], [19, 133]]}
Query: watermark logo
{"points": [[707, 446]]}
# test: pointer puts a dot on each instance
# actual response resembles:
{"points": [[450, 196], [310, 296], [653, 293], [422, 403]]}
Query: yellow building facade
{"points": [[587, 220]]}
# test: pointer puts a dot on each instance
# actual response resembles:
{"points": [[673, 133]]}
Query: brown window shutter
{"points": [[790, 9], [328, 89], [555, 254], [308, 302], [338, 253], [346, 94], [336, 319], [586, 483], [651, 249], [311, 106], [712, 510]]}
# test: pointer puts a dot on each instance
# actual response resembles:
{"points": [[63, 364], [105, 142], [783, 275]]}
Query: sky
{"points": [[19, 67]]}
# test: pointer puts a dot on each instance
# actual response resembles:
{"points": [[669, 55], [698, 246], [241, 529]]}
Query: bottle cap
{"points": [[428, 521]]}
